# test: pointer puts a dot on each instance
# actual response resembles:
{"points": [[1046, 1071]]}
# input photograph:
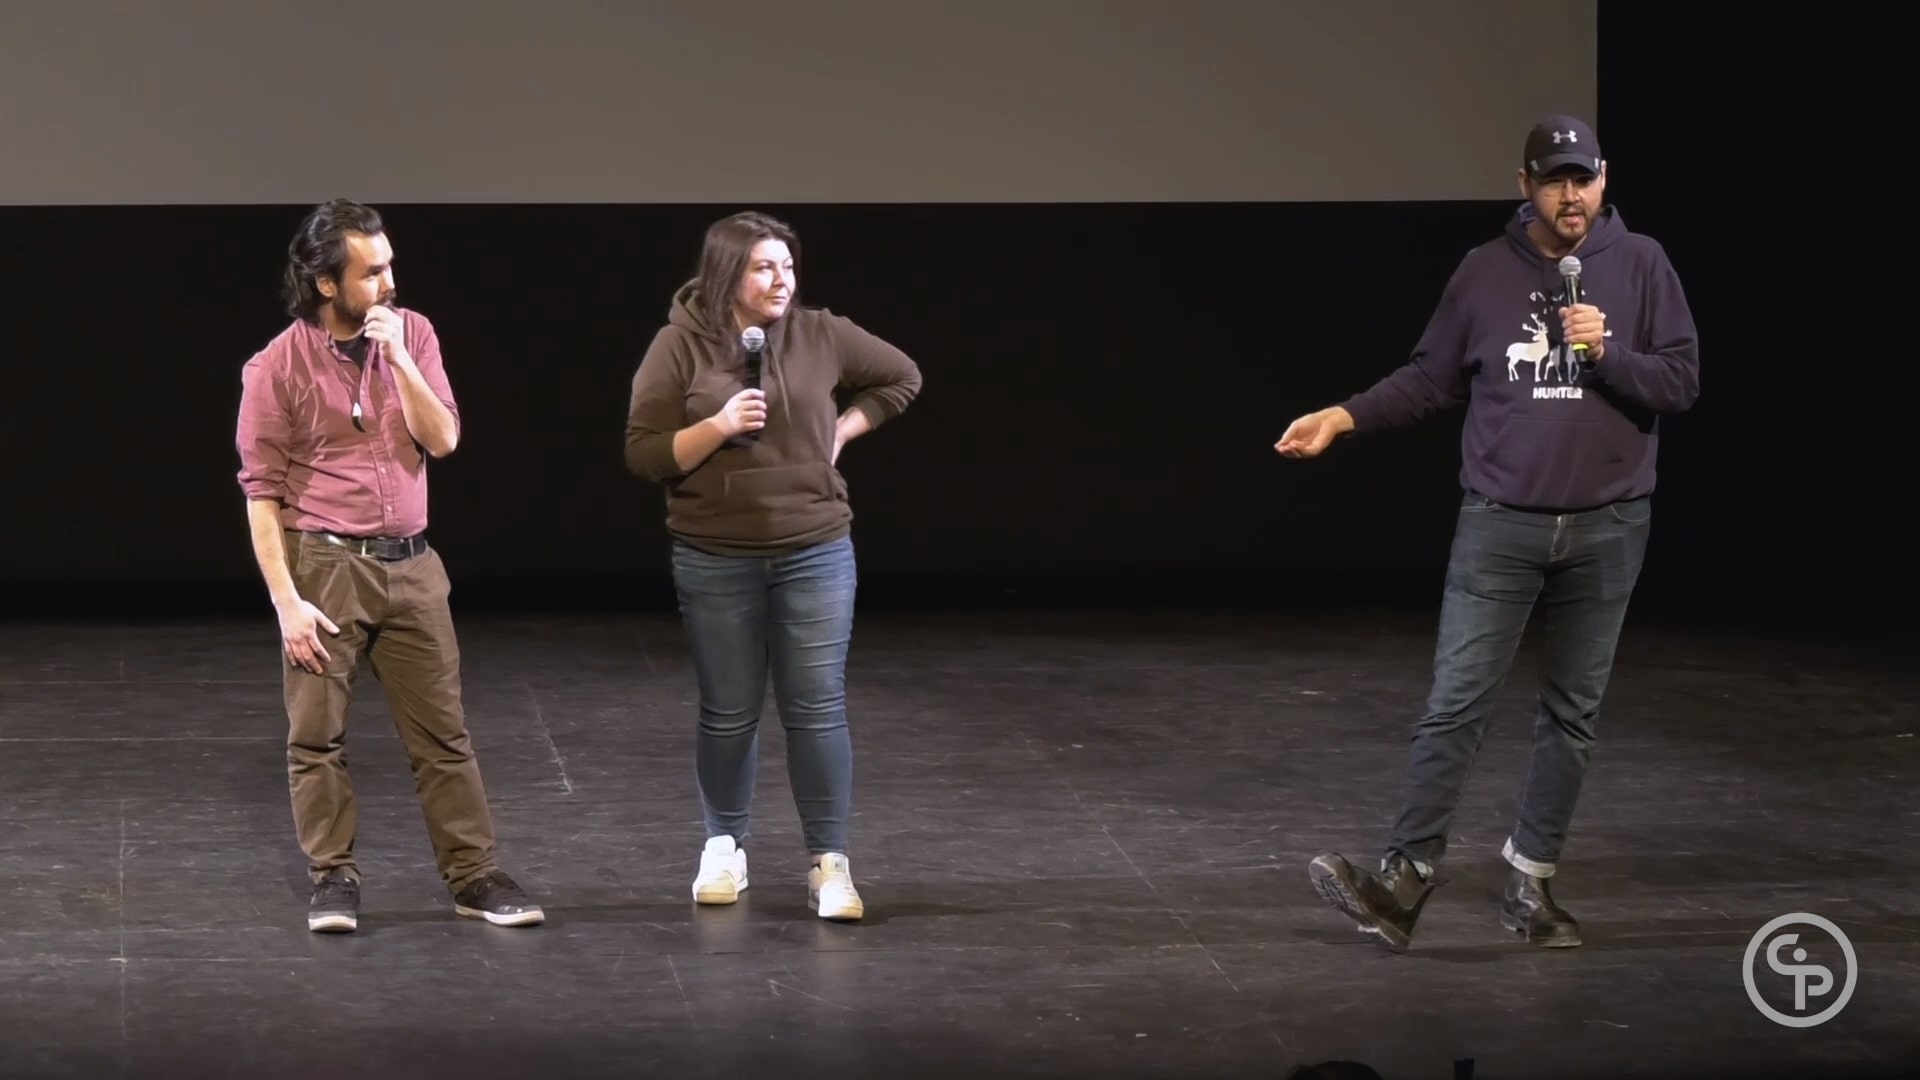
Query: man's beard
{"points": [[349, 315]]}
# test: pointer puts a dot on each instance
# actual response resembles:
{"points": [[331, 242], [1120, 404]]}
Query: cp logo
{"points": [[1809, 980]]}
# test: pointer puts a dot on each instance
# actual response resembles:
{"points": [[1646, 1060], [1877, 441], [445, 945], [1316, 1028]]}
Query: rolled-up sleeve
{"points": [[261, 435], [423, 342]]}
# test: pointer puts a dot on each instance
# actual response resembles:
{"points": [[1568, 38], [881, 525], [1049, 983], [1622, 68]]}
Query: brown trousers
{"points": [[395, 616]]}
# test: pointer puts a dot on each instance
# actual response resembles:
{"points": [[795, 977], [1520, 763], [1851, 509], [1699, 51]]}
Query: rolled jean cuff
{"points": [[1523, 864]]}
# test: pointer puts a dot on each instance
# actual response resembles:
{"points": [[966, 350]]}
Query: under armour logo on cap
{"points": [[1561, 144]]}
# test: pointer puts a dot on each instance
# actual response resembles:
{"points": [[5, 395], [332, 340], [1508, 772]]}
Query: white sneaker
{"points": [[723, 872], [830, 891]]}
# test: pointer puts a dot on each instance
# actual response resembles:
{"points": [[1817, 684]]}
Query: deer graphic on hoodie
{"points": [[1545, 427]]}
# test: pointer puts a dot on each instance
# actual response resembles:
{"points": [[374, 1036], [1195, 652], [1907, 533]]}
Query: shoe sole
{"points": [[332, 924], [717, 896], [1338, 892], [525, 918], [852, 914], [1520, 928]]}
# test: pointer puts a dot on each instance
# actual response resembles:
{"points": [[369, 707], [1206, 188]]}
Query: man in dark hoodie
{"points": [[1566, 339]]}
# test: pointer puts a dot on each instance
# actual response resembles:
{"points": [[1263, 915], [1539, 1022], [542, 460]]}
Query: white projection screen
{"points": [[848, 101]]}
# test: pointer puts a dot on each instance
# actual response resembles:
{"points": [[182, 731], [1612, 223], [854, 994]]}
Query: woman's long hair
{"points": [[724, 258]]}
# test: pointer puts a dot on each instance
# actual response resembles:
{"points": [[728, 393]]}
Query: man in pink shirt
{"points": [[338, 416]]}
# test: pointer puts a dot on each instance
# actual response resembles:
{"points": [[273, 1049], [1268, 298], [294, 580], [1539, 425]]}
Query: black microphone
{"points": [[1570, 278], [754, 340]]}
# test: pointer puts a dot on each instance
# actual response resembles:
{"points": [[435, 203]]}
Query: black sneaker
{"points": [[497, 899], [335, 905]]}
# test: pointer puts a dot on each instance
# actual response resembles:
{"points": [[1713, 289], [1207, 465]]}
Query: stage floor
{"points": [[1082, 839]]}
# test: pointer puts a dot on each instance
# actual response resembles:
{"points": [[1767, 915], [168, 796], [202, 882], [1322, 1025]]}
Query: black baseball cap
{"points": [[1561, 143]]}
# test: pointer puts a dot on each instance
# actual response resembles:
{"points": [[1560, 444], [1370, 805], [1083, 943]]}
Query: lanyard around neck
{"points": [[360, 392]]}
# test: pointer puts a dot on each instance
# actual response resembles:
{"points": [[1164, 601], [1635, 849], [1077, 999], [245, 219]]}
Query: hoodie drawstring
{"points": [[786, 406]]}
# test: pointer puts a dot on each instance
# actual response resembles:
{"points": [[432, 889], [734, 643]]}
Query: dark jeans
{"points": [[394, 620], [792, 614], [1576, 572]]}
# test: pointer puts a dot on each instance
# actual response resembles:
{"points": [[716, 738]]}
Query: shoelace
{"points": [[497, 885]]}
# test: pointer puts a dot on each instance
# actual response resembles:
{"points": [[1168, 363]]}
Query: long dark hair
{"points": [[724, 258], [319, 249]]}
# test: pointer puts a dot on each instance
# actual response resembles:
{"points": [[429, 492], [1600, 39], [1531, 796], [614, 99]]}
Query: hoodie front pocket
{"points": [[781, 488], [1549, 461]]}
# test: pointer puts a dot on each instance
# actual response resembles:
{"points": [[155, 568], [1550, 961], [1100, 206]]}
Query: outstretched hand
{"points": [[1313, 433]]}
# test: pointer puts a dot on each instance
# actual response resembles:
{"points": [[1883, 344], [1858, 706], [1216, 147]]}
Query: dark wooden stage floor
{"points": [[1082, 839]]}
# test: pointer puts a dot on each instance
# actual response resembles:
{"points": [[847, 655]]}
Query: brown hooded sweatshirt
{"points": [[781, 492]]}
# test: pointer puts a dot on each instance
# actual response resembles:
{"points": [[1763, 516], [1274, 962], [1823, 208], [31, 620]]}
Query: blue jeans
{"points": [[1576, 572], [792, 614]]}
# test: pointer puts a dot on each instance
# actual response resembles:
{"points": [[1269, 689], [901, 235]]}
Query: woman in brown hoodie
{"points": [[734, 414]]}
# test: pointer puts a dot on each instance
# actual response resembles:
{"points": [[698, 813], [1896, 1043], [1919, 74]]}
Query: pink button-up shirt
{"points": [[299, 446]]}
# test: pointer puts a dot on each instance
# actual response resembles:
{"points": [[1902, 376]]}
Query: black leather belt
{"points": [[384, 548]]}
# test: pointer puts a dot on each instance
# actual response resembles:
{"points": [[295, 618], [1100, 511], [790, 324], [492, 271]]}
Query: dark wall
{"points": [[1103, 388]]}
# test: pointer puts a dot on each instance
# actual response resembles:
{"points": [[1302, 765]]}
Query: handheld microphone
{"points": [[1570, 278], [754, 340]]}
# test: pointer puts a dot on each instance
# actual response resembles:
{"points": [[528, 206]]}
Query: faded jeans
{"points": [[791, 615]]}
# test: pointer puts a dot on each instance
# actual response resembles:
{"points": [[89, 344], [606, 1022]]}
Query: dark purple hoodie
{"points": [[1542, 432]]}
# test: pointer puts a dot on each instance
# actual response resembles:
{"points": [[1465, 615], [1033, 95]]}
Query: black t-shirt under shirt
{"points": [[355, 348]]}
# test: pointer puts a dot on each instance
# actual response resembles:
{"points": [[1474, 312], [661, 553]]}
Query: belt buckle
{"points": [[363, 546]]}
